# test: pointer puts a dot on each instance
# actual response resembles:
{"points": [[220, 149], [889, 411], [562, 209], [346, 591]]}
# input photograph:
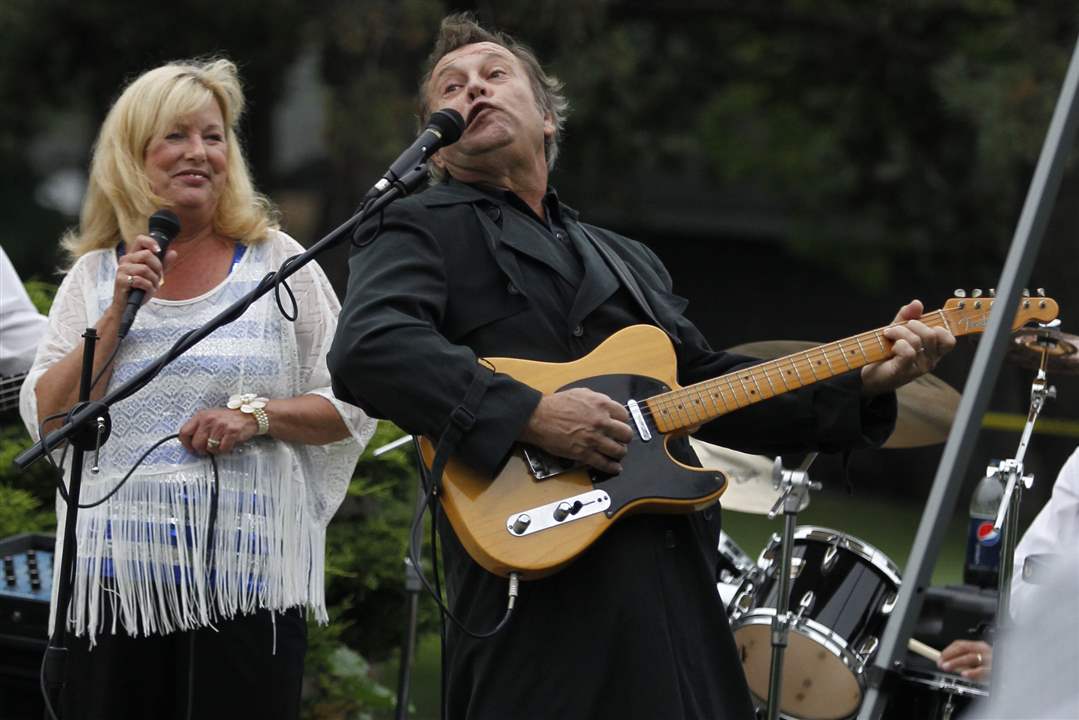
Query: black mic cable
{"points": [[164, 226]]}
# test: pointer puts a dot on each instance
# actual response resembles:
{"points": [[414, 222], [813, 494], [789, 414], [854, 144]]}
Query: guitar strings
{"points": [[668, 400]]}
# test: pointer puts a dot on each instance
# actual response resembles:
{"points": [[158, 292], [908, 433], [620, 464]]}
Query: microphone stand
{"points": [[88, 423], [88, 436]]}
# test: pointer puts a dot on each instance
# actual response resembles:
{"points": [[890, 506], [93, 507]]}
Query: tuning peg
{"points": [[992, 292], [960, 292], [976, 292], [1041, 292], [1026, 293]]}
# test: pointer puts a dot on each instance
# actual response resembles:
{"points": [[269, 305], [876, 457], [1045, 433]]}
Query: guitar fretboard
{"points": [[696, 404]]}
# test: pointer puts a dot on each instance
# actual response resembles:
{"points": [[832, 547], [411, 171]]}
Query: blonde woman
{"points": [[191, 592]]}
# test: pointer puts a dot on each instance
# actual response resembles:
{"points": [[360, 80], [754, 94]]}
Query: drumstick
{"points": [[920, 648]]}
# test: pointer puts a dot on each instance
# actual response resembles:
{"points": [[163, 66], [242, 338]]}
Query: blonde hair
{"points": [[119, 199]]}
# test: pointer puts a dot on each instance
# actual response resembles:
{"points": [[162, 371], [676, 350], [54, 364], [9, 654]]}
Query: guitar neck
{"points": [[693, 405]]}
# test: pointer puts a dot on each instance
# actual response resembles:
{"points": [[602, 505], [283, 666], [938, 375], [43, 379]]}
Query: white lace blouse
{"points": [[142, 555]]}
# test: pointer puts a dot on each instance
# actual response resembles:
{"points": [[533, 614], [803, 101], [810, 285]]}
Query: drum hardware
{"points": [[736, 571], [805, 605], [794, 486], [867, 648], [768, 556], [399, 442], [830, 556], [1048, 339], [926, 406]]}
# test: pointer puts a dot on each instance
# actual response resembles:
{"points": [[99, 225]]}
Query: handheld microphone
{"points": [[443, 128], [164, 226]]}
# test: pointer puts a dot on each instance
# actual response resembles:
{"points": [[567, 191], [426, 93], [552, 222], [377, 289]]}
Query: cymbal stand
{"points": [[795, 485], [1010, 472]]}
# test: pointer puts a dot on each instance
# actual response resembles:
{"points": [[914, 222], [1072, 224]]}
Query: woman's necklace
{"points": [[190, 249]]}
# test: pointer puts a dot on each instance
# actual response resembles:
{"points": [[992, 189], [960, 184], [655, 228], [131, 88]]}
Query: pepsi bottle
{"points": [[983, 542]]}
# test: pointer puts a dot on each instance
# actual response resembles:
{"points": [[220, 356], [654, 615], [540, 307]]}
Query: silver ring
{"points": [[979, 659], [213, 443], [130, 280]]}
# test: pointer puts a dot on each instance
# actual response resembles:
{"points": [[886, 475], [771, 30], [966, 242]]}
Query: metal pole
{"points": [[957, 451], [781, 620], [56, 653]]}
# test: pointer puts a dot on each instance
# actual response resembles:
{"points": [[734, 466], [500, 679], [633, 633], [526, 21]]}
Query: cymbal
{"points": [[927, 404], [927, 407], [749, 478], [1063, 358]]}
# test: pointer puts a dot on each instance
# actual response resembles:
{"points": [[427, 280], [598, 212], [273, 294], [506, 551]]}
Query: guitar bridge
{"points": [[544, 465]]}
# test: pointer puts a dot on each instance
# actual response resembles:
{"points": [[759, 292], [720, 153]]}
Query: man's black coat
{"points": [[634, 627]]}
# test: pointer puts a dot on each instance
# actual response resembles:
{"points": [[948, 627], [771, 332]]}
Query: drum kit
{"points": [[808, 613]]}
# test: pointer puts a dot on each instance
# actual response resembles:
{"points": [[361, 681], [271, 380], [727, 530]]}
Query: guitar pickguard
{"points": [[648, 473]]}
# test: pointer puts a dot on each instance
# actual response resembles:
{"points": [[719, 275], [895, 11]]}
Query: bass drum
{"points": [[842, 592]]}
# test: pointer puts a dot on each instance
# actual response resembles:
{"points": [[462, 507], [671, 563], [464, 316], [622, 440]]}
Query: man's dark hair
{"points": [[462, 29]]}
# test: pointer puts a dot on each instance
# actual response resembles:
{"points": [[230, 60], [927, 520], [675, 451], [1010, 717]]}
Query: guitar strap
{"points": [[461, 421], [618, 267]]}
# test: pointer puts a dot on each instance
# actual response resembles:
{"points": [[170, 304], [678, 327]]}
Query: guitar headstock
{"points": [[971, 314]]}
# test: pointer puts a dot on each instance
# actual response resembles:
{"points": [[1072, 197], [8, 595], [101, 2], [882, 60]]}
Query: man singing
{"points": [[490, 262]]}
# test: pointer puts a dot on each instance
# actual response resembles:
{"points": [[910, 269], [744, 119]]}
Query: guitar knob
{"points": [[561, 511], [1040, 292], [960, 292], [521, 523], [976, 292], [992, 292], [1026, 293]]}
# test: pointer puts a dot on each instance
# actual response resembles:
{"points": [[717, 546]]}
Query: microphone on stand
{"points": [[164, 226], [443, 128]]}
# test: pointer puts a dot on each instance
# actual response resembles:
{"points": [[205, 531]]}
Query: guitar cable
{"points": [[415, 541]]}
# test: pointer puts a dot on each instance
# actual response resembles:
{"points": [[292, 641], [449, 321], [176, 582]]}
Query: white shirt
{"points": [[1054, 531], [142, 554], [21, 325]]}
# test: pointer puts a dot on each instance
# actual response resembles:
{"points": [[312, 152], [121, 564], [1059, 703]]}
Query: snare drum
{"points": [[842, 592], [930, 695]]}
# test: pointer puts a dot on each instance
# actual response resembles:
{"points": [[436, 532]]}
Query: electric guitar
{"points": [[541, 511]]}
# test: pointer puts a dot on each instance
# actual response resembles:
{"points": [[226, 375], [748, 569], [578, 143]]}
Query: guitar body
{"points": [[636, 362], [540, 512]]}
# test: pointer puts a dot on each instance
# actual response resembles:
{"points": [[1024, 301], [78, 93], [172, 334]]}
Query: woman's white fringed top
{"points": [[142, 554]]}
